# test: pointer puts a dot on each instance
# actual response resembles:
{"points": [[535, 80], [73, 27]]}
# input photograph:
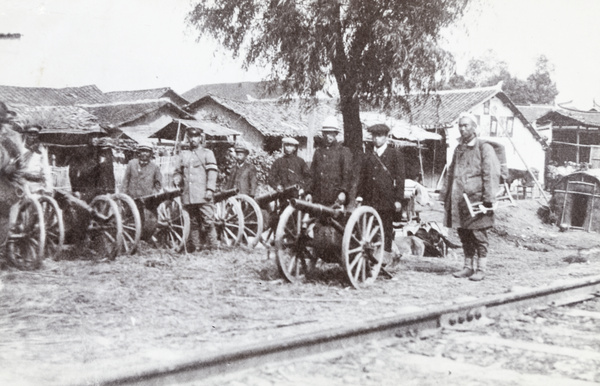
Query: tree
{"points": [[541, 89], [375, 50]]}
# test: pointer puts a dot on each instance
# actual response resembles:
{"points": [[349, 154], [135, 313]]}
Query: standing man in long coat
{"points": [[474, 171], [382, 182], [142, 176], [331, 168], [289, 169], [243, 173], [196, 171]]}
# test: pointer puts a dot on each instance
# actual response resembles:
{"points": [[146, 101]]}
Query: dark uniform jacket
{"points": [[382, 179], [141, 180], [475, 170], [196, 170], [243, 177], [289, 170], [331, 171]]}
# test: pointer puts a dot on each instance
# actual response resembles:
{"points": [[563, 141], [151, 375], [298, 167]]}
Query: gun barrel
{"points": [[225, 194], [289, 192], [317, 210], [152, 201]]}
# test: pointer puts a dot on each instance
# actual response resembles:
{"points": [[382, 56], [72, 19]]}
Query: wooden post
{"points": [[577, 154]]}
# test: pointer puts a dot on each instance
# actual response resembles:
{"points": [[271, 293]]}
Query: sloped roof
{"points": [[442, 108], [150, 94], [57, 119], [42, 96], [179, 125], [533, 112], [118, 114], [273, 118], [568, 117], [238, 91]]}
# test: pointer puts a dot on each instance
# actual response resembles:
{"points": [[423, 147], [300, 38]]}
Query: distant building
{"points": [[241, 91], [164, 93]]}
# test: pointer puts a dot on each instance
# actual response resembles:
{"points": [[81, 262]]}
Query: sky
{"points": [[142, 44]]}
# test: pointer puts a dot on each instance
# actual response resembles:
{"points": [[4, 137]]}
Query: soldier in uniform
{"points": [[382, 182], [289, 169], [196, 171], [37, 164], [331, 168], [243, 173]]}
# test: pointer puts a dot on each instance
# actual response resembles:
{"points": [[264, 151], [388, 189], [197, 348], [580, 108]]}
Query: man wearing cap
{"points": [[382, 182], [289, 169], [474, 171], [36, 156], [142, 177], [196, 171], [331, 168], [243, 173]]}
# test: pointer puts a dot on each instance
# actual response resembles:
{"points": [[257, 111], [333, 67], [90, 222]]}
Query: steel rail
{"points": [[322, 341]]}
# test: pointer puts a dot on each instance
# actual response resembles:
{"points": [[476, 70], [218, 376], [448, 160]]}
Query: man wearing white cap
{"points": [[331, 168], [474, 171], [289, 169]]}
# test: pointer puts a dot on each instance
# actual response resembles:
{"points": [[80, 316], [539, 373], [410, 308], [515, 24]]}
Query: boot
{"points": [[480, 273], [467, 269], [193, 242], [211, 237]]}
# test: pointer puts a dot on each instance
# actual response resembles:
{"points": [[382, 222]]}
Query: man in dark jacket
{"points": [[474, 171], [289, 169], [331, 168], [243, 173], [382, 182]]}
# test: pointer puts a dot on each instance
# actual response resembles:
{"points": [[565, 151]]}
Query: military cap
{"points": [[144, 148], [194, 132], [290, 141], [378, 129], [32, 130]]}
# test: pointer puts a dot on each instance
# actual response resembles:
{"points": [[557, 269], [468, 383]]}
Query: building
{"points": [[164, 93], [498, 119]]}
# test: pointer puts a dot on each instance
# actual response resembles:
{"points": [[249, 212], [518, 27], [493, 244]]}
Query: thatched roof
{"points": [[42, 96], [144, 95], [57, 119], [119, 114], [273, 118], [238, 91]]}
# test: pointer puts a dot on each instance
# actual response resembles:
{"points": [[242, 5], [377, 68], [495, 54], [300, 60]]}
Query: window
{"points": [[510, 124], [486, 108], [493, 127]]}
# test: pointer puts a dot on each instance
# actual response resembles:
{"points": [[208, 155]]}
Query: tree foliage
{"points": [[374, 50], [488, 71]]}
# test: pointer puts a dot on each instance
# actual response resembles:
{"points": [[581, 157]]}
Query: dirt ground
{"points": [[77, 321]]}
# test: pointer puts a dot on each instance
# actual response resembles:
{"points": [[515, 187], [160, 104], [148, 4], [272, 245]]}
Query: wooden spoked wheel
{"points": [[253, 220], [362, 246], [295, 255], [105, 231], [27, 235], [55, 226], [229, 222], [132, 222], [172, 227]]}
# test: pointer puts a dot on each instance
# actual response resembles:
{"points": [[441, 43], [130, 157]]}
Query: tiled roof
{"points": [[274, 118], [40, 96], [442, 109], [57, 119], [151, 94], [568, 117], [533, 112], [118, 114], [238, 91]]}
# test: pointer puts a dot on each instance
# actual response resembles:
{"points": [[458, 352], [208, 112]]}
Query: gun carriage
{"points": [[229, 217], [307, 233], [271, 206]]}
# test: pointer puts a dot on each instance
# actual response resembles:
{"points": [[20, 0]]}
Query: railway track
{"points": [[529, 336]]}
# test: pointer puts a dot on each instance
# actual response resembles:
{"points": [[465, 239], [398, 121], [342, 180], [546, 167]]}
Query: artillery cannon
{"points": [[307, 233], [229, 217]]}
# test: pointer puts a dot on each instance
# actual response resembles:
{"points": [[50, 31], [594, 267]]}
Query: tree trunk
{"points": [[350, 107]]}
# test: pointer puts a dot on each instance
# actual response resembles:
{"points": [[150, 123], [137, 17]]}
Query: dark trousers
{"points": [[474, 241], [387, 218]]}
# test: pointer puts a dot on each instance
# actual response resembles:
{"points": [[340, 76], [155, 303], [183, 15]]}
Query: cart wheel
{"points": [[229, 222], [26, 236], [105, 232], [173, 226], [132, 222], [253, 220], [295, 256], [362, 246], [55, 226]]}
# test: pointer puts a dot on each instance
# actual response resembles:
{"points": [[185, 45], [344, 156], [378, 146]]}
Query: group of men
{"points": [[474, 171]]}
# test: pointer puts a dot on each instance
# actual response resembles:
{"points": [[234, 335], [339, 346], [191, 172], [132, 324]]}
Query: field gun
{"points": [[288, 193], [225, 194], [152, 201]]}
